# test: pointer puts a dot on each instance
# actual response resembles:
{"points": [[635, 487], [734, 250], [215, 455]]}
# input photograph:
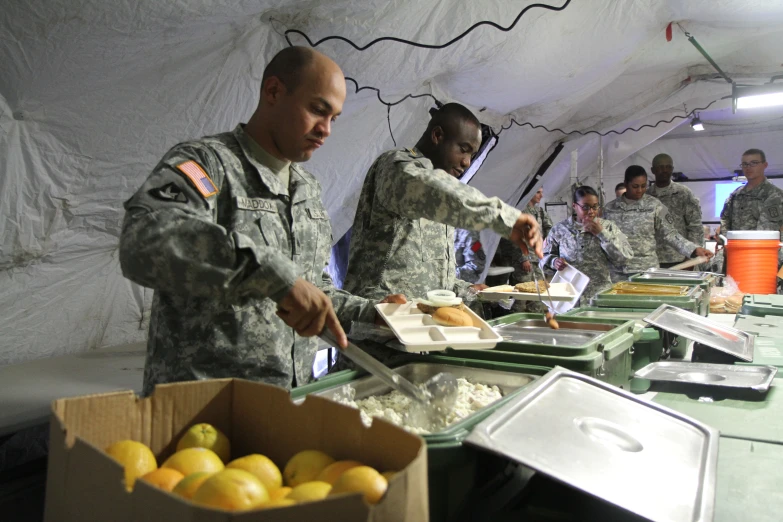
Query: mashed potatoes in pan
{"points": [[393, 406]]}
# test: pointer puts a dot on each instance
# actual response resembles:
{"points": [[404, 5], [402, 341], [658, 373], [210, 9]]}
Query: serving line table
{"points": [[750, 456], [748, 470]]}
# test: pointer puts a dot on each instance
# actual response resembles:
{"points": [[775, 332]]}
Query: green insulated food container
{"points": [[593, 347]]}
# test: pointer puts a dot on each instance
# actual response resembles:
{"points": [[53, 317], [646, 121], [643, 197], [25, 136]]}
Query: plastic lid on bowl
{"points": [[753, 234]]}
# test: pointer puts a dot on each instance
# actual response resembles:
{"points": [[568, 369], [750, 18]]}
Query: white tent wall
{"points": [[92, 94]]}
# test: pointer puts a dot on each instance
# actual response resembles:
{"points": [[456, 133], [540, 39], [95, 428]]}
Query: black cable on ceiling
{"points": [[414, 44], [451, 42], [421, 45], [388, 119], [390, 104], [580, 133]]}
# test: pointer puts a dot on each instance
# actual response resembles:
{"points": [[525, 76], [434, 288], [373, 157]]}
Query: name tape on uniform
{"points": [[261, 204], [198, 177], [317, 214]]}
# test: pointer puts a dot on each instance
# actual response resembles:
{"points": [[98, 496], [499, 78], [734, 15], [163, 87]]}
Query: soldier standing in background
{"points": [[757, 205], [591, 244], [684, 209], [646, 222]]}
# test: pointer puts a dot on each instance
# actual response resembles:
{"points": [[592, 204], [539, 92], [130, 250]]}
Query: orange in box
{"points": [[84, 484]]}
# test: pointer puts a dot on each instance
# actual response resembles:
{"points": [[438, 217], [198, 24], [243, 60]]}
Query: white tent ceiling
{"points": [[93, 93]]}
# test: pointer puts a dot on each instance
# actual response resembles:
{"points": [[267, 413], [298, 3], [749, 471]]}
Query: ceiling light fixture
{"points": [[697, 124], [754, 96]]}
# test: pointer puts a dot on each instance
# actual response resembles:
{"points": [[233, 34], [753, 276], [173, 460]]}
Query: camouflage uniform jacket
{"points": [[645, 222], [219, 252], [509, 254], [403, 231], [760, 208], [470, 256], [685, 210], [591, 255]]}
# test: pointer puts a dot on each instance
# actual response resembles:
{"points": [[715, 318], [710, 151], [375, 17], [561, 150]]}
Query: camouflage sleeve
{"points": [[695, 229], [414, 191], [725, 215], [348, 307], [546, 227], [771, 213], [615, 244], [170, 240], [664, 228], [551, 248], [546, 223]]}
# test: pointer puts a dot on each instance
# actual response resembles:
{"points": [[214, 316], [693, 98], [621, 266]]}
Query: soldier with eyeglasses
{"points": [[758, 205], [587, 242]]}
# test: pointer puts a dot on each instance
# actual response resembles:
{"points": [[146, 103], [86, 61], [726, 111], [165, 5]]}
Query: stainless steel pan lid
{"points": [[757, 378], [608, 443], [679, 274], [700, 329]]}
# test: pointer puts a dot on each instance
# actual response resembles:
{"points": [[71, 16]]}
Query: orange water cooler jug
{"points": [[752, 260]]}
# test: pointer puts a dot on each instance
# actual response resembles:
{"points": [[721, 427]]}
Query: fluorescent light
{"points": [[697, 124], [754, 96], [760, 100]]}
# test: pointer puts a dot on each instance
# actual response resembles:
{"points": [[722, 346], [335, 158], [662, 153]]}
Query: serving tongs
{"points": [[439, 393], [551, 316]]}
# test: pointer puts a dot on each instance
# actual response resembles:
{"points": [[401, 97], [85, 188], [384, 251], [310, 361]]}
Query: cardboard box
{"points": [[86, 485]]}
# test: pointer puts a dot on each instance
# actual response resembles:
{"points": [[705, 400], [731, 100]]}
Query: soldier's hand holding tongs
{"points": [[526, 234], [306, 309]]}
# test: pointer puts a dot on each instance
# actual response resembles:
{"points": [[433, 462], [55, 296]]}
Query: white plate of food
{"points": [[454, 326]]}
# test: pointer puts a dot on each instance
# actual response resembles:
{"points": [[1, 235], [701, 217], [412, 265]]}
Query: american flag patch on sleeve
{"points": [[198, 177]]}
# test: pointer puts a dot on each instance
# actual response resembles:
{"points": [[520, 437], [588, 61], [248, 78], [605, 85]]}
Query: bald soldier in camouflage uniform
{"points": [[403, 231], [646, 222], [233, 238], [683, 207], [470, 256]]}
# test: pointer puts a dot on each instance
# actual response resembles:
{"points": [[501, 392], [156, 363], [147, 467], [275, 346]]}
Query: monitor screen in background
{"points": [[722, 192]]}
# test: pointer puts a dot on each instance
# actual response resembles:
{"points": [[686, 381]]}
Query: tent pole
{"points": [[601, 169]]}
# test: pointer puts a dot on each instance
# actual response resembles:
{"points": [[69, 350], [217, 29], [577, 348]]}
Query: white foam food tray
{"points": [[418, 332], [558, 291]]}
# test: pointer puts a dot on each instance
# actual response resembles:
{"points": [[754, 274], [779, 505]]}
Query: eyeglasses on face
{"points": [[588, 208], [754, 163]]}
